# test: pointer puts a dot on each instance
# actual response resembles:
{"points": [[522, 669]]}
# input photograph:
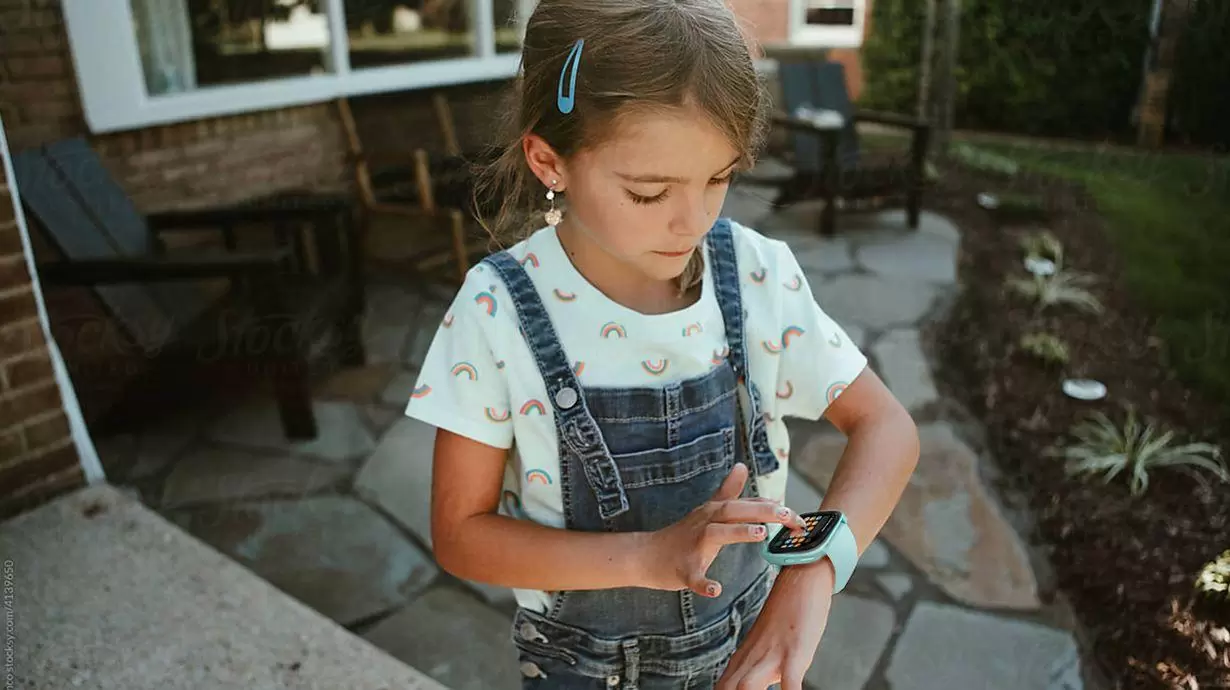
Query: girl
{"points": [[641, 354]]}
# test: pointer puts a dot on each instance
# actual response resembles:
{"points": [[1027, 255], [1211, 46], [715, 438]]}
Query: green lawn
{"points": [[1169, 216]]}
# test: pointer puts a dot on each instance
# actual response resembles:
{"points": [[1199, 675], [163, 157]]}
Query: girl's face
{"points": [[648, 194]]}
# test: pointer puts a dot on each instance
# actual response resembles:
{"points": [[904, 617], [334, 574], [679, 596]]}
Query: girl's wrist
{"points": [[816, 577], [639, 558]]}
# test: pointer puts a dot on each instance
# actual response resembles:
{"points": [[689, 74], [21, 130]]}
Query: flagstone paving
{"points": [[904, 368], [947, 524], [945, 598]]}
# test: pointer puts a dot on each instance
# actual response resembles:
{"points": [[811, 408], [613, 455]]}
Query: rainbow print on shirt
{"points": [[692, 329], [421, 391], [530, 259], [656, 367], [465, 369], [534, 406], [578, 368], [787, 392], [539, 476], [759, 276], [795, 284], [564, 296], [613, 329], [495, 415], [720, 356], [789, 334], [834, 391], [487, 301]]}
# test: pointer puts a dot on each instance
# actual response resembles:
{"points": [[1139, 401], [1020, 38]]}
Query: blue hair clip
{"points": [[566, 103]]}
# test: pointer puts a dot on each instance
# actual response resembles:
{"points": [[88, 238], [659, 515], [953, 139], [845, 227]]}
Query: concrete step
{"points": [[107, 594]]}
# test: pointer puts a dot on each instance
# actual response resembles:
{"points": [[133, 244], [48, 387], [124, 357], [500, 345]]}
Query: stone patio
{"points": [[947, 598]]}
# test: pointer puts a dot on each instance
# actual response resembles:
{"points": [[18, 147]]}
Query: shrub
{"points": [[1135, 449], [1062, 287], [1046, 347]]}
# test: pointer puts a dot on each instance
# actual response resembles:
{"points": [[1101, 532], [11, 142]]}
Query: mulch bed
{"points": [[1126, 564]]}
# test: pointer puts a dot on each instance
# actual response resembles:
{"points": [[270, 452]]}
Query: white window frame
{"points": [[826, 36], [111, 80]]}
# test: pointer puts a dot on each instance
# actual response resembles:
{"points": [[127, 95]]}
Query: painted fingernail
{"points": [[783, 513], [712, 590], [758, 531]]}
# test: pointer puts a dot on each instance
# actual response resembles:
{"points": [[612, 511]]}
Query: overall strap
{"points": [[575, 426], [726, 278]]}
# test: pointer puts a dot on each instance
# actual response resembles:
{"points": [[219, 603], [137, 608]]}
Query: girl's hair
{"points": [[637, 54]]}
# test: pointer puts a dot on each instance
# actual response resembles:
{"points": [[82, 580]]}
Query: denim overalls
{"points": [[640, 459]]}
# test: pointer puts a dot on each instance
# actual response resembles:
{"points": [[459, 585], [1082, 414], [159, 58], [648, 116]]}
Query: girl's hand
{"points": [[782, 642], [678, 557]]}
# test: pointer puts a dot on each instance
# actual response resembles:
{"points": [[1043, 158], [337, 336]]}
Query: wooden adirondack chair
{"points": [[227, 318], [828, 161], [432, 192]]}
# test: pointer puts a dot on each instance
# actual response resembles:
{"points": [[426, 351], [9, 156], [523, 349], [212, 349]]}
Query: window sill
{"points": [[845, 40], [106, 111]]}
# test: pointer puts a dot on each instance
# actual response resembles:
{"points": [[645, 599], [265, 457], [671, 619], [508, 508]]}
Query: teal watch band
{"points": [[840, 547], [842, 551]]}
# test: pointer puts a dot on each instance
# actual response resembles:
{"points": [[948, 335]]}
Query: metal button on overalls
{"points": [[566, 398], [529, 632]]}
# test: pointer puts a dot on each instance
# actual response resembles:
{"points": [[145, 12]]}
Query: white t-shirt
{"points": [[479, 379]]}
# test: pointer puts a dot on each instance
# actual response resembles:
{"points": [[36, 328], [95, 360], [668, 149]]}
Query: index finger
{"points": [[752, 510]]}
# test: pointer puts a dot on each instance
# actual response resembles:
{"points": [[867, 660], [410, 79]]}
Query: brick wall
{"points": [[38, 98], [852, 59], [197, 163], [854, 70], [393, 125], [768, 21], [37, 456], [222, 160]]}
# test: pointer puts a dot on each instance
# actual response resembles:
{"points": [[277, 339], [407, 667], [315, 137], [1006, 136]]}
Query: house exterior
{"points": [[203, 102], [39, 458]]}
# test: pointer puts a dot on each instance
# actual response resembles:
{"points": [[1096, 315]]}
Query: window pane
{"points": [[509, 16], [395, 32], [830, 13], [191, 44]]}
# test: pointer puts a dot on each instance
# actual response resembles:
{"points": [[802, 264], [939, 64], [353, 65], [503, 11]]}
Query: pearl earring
{"points": [[553, 215]]}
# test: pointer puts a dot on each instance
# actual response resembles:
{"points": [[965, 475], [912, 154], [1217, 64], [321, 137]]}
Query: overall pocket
{"points": [[665, 484]]}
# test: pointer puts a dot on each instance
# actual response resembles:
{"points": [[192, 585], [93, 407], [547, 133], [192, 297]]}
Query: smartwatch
{"points": [[828, 535]]}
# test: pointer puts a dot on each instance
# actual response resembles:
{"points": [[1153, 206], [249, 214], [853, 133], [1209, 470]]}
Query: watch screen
{"points": [[819, 526]]}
